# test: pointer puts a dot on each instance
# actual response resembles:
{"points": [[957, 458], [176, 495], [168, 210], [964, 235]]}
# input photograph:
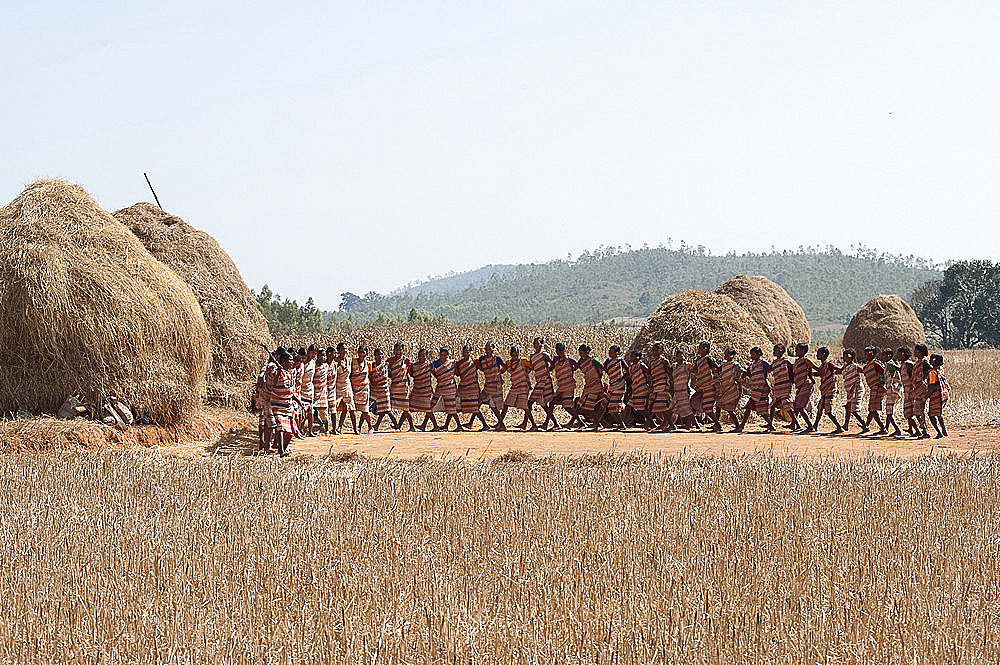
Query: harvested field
{"points": [[135, 557]]}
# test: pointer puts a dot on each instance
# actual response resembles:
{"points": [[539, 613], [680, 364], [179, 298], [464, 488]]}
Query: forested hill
{"points": [[610, 282]]}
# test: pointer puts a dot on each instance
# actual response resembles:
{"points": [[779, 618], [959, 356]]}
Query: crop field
{"points": [[136, 557]]}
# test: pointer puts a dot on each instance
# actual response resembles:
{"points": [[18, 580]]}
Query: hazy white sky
{"points": [[358, 146]]}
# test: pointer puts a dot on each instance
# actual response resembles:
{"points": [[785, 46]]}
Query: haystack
{"points": [[778, 314], [685, 319], [238, 329], [886, 322], [84, 307]]}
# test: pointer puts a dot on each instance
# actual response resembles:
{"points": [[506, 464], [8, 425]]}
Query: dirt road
{"points": [[488, 445]]}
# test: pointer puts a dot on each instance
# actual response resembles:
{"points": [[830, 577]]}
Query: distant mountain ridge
{"points": [[612, 282], [454, 283]]}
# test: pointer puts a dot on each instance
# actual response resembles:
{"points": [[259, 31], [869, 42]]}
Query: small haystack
{"points": [[886, 322], [778, 314], [685, 319], [238, 329], [84, 307]]}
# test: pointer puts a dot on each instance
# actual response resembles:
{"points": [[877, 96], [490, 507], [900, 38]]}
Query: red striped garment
{"points": [[320, 394], [565, 368], [876, 384], [760, 389], [517, 396], [341, 372], [659, 379], [593, 388], [306, 388], [379, 380], [491, 366], [781, 376], [638, 372], [399, 382], [421, 392], [852, 386], [906, 377], [729, 385], [703, 366], [468, 385], [893, 383], [803, 379], [281, 390], [617, 386], [445, 389], [682, 390], [360, 384], [543, 391]]}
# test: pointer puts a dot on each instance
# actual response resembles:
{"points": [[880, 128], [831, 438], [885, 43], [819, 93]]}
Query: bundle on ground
{"points": [[685, 319], [884, 322], [84, 307], [781, 318], [238, 329]]}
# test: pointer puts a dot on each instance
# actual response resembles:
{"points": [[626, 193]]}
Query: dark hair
{"points": [[560, 347], [729, 353], [905, 350], [938, 357], [514, 350], [283, 354], [756, 351], [584, 349], [781, 346], [851, 353], [539, 340], [290, 350], [302, 352], [398, 345], [331, 350], [422, 350], [444, 349], [658, 345], [312, 347], [636, 354], [922, 348], [363, 349], [341, 345], [870, 350], [802, 346], [704, 345], [616, 348], [823, 351]]}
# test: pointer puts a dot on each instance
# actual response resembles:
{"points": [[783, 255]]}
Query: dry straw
{"points": [[685, 319], [884, 322], [778, 314], [238, 329], [86, 308]]}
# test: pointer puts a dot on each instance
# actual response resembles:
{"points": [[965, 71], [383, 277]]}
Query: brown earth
{"points": [[474, 446]]}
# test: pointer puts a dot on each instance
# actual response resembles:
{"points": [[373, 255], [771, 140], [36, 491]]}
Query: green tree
{"points": [[962, 309]]}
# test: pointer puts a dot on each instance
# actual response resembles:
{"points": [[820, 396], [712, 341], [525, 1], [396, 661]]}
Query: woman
{"points": [[361, 387]]}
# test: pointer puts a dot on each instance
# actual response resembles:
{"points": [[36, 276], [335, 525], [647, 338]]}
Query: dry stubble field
{"points": [[138, 556]]}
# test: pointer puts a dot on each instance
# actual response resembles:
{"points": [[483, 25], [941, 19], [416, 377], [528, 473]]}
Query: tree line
{"points": [[961, 310]]}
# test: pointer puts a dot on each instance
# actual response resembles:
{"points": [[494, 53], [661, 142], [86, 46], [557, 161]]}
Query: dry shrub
{"points": [[137, 557], [84, 307], [884, 322], [238, 329], [514, 457], [685, 319], [778, 314]]}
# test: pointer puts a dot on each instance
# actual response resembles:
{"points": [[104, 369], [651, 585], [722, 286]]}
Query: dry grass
{"points": [[139, 558], [769, 304], [884, 322], [84, 307], [685, 319], [239, 332], [974, 377]]}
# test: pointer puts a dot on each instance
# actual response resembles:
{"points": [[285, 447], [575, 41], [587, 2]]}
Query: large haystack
{"points": [[685, 319], [239, 331], [84, 307], [886, 322], [770, 306]]}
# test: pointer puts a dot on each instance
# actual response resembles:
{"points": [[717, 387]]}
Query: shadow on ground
{"points": [[240, 441]]}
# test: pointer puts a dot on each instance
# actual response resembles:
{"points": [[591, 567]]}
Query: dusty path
{"points": [[488, 445]]}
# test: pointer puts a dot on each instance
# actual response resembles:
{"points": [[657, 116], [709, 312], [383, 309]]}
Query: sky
{"points": [[359, 146]]}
